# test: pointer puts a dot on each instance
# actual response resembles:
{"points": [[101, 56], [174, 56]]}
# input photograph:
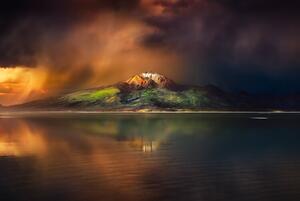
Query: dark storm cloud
{"points": [[254, 38], [265, 7], [26, 24]]}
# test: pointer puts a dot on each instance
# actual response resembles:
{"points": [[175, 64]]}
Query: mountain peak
{"points": [[150, 80]]}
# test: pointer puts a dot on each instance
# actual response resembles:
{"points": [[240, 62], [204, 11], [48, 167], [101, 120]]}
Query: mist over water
{"points": [[150, 157]]}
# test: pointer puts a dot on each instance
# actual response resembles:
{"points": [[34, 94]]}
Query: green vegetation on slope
{"points": [[92, 96], [166, 98], [114, 98]]}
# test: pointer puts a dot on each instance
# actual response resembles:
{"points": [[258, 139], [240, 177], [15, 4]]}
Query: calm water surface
{"points": [[116, 157]]}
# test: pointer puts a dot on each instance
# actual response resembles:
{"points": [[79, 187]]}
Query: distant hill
{"points": [[153, 91]]}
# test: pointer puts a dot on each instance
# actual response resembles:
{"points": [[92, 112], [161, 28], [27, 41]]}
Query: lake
{"points": [[141, 157]]}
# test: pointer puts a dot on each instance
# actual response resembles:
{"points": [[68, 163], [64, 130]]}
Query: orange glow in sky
{"points": [[88, 56], [18, 84]]}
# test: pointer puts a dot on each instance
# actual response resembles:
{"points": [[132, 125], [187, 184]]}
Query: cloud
{"points": [[84, 43], [216, 37], [19, 84], [102, 50], [25, 27]]}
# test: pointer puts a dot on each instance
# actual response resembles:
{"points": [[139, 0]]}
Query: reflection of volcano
{"points": [[143, 144], [150, 146]]}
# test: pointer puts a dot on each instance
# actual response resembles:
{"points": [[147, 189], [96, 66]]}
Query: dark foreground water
{"points": [[116, 157]]}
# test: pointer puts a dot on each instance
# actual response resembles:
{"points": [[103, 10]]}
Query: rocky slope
{"points": [[150, 80]]}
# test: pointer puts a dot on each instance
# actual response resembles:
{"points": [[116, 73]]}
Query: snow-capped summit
{"points": [[149, 79]]}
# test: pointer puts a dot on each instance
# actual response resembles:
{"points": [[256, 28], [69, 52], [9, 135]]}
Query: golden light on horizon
{"points": [[19, 84]]}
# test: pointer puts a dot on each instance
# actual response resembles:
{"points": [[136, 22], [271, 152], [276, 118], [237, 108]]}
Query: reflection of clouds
{"points": [[110, 150], [20, 140], [20, 137], [77, 147], [8, 149]]}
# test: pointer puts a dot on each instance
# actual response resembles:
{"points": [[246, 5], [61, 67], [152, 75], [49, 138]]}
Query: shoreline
{"points": [[59, 112]]}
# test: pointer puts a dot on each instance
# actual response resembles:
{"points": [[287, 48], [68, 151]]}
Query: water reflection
{"points": [[149, 157], [42, 136], [17, 138]]}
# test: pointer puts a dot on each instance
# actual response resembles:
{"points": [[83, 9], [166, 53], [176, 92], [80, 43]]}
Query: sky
{"points": [[53, 46]]}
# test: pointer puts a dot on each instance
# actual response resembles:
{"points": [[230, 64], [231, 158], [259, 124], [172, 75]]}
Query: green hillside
{"points": [[114, 98]]}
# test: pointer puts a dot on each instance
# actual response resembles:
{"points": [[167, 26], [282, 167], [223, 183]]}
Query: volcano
{"points": [[155, 92]]}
